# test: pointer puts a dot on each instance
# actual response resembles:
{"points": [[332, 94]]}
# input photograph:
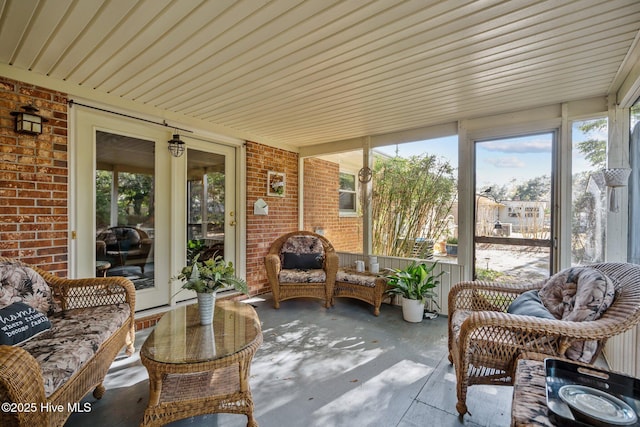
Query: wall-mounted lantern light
{"points": [[28, 121]]}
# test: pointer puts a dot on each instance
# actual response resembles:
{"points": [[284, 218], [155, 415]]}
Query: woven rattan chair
{"points": [[485, 347], [123, 245], [299, 283]]}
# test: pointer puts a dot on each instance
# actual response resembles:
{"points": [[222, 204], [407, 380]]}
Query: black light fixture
{"points": [[28, 121], [176, 145]]}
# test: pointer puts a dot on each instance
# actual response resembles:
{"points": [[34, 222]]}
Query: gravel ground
{"points": [[527, 264]]}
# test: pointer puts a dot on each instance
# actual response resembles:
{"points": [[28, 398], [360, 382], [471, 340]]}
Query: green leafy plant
{"points": [[488, 274], [210, 276], [194, 248], [416, 281], [452, 240]]}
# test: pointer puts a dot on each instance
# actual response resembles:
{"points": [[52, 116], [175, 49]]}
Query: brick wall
{"points": [[34, 179], [321, 206], [262, 230], [34, 174]]}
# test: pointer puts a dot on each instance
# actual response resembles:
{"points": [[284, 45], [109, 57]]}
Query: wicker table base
{"points": [[195, 369]]}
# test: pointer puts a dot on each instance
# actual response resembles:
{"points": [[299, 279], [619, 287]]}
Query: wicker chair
{"points": [[288, 283], [124, 245], [485, 345]]}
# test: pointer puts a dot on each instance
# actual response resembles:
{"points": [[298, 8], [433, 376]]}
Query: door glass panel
{"points": [[125, 172], [513, 208], [205, 204], [588, 191]]}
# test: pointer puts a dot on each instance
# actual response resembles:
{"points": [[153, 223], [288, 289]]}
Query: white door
{"points": [[130, 203], [121, 203], [514, 231], [204, 205]]}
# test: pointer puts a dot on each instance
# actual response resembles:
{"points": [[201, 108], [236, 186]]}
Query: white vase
{"points": [[412, 310], [206, 306]]}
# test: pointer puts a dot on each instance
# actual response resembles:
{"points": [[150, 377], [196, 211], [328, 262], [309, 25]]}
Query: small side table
{"points": [[102, 267]]}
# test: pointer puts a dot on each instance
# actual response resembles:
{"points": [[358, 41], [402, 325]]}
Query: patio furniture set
{"points": [[59, 337], [499, 334], [305, 264]]}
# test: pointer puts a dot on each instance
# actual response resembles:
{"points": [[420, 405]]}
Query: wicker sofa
{"points": [[89, 322]]}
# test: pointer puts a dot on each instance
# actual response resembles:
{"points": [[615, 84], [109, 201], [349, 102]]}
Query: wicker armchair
{"points": [[485, 345], [288, 283]]}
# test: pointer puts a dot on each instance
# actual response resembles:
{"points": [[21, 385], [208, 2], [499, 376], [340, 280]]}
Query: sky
{"points": [[499, 161]]}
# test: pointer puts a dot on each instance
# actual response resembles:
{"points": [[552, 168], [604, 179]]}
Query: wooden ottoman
{"points": [[365, 286]]}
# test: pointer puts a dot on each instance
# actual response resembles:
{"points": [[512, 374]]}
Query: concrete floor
{"points": [[319, 367]]}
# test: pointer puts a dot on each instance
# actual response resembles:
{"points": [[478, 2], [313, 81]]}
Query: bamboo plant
{"points": [[412, 197]]}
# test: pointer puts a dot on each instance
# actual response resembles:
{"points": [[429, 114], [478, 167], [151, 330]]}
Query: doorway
{"points": [[206, 204], [125, 208], [126, 180], [209, 205], [120, 205], [513, 232]]}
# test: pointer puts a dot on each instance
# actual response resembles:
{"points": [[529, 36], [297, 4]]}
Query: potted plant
{"points": [[451, 246], [206, 278], [415, 284]]}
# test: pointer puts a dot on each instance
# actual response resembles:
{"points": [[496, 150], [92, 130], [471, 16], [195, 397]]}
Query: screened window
{"points": [[589, 192], [347, 192]]}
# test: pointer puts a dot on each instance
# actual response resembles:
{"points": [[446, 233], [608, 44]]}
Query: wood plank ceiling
{"points": [[303, 72]]}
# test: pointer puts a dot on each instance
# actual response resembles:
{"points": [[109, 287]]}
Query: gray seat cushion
{"points": [[73, 339]]}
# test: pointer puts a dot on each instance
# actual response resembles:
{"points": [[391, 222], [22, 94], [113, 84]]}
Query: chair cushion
{"points": [[457, 319], [19, 283], [302, 244], [302, 261], [302, 276], [356, 278], [578, 294], [20, 322], [74, 338], [529, 304]]}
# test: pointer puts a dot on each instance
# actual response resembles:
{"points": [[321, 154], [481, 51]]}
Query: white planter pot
{"points": [[206, 306], [412, 310]]}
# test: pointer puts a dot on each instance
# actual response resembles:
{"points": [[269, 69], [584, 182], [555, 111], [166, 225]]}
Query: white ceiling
{"points": [[305, 72]]}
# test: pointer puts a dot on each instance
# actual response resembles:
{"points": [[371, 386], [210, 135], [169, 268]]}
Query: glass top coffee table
{"points": [[195, 369]]}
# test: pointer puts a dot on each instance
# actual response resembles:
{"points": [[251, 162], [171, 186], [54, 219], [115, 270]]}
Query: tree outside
{"points": [[135, 198], [412, 198]]}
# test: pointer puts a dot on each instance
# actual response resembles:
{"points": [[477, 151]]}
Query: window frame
{"points": [[348, 212]]}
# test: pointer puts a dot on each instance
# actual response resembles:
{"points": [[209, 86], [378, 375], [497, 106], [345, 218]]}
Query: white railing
{"points": [[453, 273], [622, 352]]}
